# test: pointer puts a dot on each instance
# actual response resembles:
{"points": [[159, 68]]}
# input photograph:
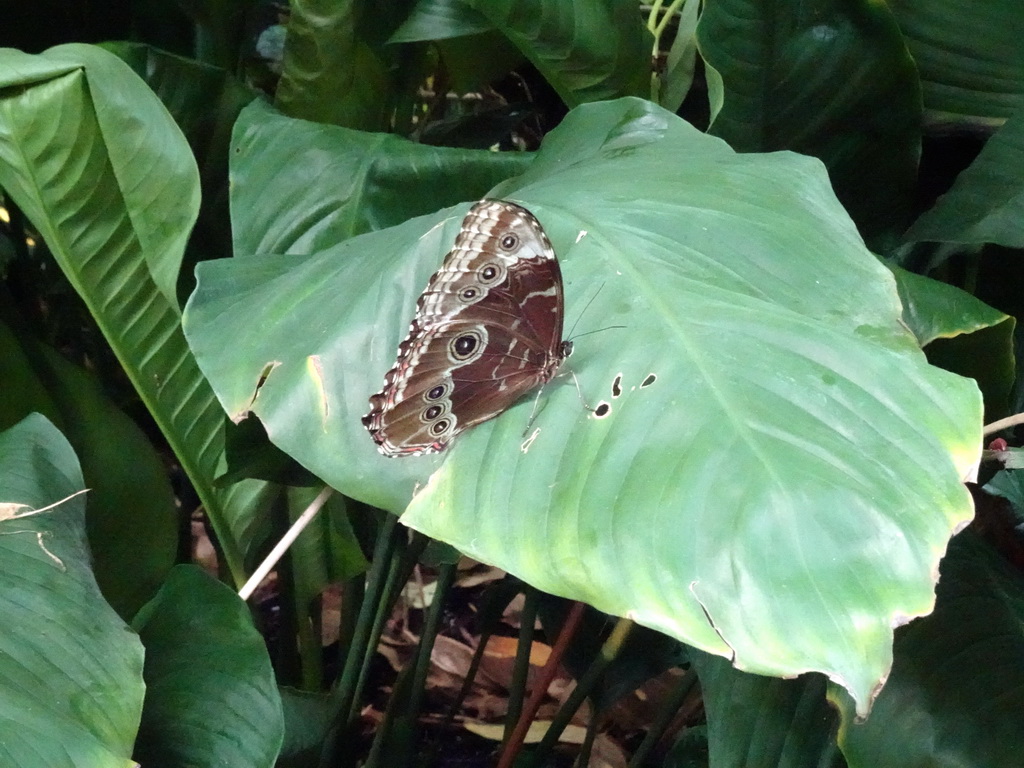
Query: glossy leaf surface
{"points": [[779, 468], [963, 335], [440, 20], [831, 79], [364, 181], [211, 699], [764, 722], [70, 670], [957, 684], [588, 50], [117, 133], [986, 203], [969, 56], [112, 187], [330, 72]]}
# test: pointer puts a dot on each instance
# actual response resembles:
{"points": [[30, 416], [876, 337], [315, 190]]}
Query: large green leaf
{"points": [[986, 204], [830, 79], [96, 163], [330, 73], [763, 722], [211, 699], [440, 20], [779, 468], [961, 334], [145, 165], [364, 181], [70, 670], [969, 55], [132, 521], [204, 101], [935, 310], [957, 685], [588, 50], [307, 721]]}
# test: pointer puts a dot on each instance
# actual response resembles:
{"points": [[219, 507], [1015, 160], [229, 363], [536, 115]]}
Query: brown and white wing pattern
{"points": [[487, 329]]}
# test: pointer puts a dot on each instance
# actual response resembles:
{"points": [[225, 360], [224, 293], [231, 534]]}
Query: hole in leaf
{"points": [[264, 375]]}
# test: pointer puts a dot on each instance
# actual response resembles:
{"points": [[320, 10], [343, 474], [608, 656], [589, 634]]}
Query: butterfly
{"points": [[487, 329]]}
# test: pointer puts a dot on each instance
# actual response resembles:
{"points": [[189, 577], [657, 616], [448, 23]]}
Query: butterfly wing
{"points": [[487, 329]]}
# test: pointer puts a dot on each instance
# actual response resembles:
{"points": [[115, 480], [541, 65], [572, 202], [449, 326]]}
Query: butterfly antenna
{"points": [[570, 337], [598, 330], [580, 317]]}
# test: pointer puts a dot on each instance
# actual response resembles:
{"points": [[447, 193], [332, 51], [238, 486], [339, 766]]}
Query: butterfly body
{"points": [[487, 329]]}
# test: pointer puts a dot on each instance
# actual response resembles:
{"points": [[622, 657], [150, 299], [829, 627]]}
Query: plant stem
{"points": [[521, 670], [515, 743], [664, 717], [286, 541], [342, 696], [586, 684], [999, 426]]}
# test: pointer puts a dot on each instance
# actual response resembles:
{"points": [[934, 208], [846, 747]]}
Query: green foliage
{"points": [[366, 181], [775, 86], [609, 62], [680, 267], [118, 230], [778, 475], [971, 66], [129, 489], [986, 204], [210, 692], [764, 722], [961, 334], [331, 74], [72, 671], [969, 647]]}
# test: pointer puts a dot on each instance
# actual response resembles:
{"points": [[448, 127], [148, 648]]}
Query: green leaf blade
{"points": [[833, 80], [72, 671], [761, 722], [132, 519], [963, 335], [211, 697], [142, 145], [330, 73], [957, 685], [370, 181], [440, 20], [986, 203], [971, 63], [57, 162], [778, 456], [587, 50]]}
